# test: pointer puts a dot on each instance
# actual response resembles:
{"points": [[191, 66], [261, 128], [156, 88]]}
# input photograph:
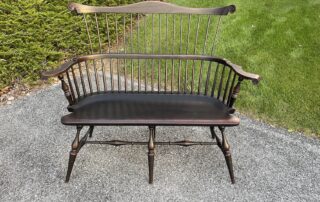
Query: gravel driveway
{"points": [[270, 163]]}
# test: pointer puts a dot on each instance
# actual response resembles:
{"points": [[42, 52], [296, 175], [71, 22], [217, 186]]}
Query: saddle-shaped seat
{"points": [[146, 109]]}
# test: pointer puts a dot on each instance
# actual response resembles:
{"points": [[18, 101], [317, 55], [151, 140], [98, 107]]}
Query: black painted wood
{"points": [[158, 83], [149, 109], [151, 7]]}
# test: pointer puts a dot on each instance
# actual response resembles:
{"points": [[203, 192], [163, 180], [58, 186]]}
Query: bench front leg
{"points": [[227, 154], [75, 146], [223, 144], [151, 153]]}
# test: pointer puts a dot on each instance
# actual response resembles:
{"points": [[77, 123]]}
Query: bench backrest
{"points": [[152, 27], [159, 47]]}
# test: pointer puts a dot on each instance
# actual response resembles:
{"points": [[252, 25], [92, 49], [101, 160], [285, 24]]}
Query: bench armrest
{"points": [[255, 78], [56, 72]]}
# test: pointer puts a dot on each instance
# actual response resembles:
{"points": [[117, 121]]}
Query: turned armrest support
{"points": [[242, 76], [255, 80], [58, 72]]}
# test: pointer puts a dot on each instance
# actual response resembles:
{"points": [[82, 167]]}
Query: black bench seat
{"points": [[146, 109]]}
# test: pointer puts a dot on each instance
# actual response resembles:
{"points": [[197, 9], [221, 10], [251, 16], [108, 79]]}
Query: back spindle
{"points": [[221, 81], [88, 33], [173, 43], [194, 52], [70, 87], [208, 79], [187, 48], [75, 82], [225, 88], [215, 39], [88, 77], [131, 43], [108, 33], [138, 50], [180, 52], [159, 61], [215, 80], [203, 53], [82, 80]]}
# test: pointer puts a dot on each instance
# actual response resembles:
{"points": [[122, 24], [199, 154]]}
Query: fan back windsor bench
{"points": [[159, 72]]}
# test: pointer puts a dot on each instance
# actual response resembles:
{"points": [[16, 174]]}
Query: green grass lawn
{"points": [[280, 41]]}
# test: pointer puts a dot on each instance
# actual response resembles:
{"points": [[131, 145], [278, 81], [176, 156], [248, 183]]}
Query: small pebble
{"points": [[9, 103], [10, 98]]}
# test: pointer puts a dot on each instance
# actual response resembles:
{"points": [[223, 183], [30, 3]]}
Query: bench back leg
{"points": [[213, 133], [91, 131]]}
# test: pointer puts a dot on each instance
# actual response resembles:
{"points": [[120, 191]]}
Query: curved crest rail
{"points": [[151, 7]]}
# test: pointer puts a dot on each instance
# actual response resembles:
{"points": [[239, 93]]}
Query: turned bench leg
{"points": [[91, 131], [213, 133], [151, 147], [75, 146], [225, 148], [227, 155]]}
